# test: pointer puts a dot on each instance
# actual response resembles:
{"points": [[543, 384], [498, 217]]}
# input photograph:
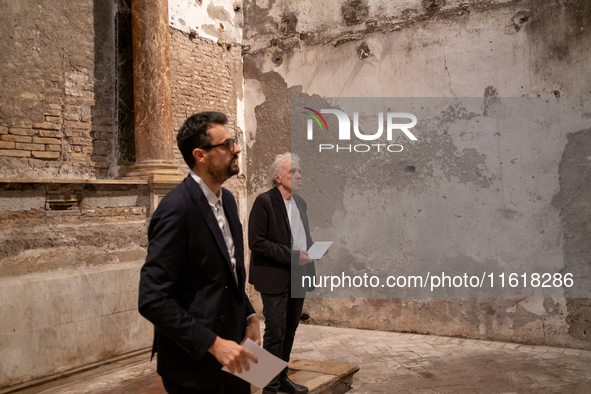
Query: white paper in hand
{"points": [[317, 250], [265, 370]]}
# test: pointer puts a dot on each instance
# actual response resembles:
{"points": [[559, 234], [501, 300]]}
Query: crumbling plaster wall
{"points": [[218, 21], [430, 48]]}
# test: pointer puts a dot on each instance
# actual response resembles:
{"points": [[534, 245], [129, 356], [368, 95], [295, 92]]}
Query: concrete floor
{"points": [[404, 363]]}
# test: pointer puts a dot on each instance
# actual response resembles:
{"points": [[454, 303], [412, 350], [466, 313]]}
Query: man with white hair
{"points": [[279, 237]]}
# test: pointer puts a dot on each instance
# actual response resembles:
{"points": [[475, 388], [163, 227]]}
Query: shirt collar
{"points": [[211, 197]]}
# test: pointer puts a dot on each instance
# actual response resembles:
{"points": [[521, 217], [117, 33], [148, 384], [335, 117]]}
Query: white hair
{"points": [[277, 165]]}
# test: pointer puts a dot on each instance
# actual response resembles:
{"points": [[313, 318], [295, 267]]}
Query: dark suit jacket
{"points": [[272, 263], [187, 289]]}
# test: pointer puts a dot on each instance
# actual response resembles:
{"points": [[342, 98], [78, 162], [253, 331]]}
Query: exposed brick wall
{"points": [[34, 134], [56, 100], [33, 218], [204, 78], [62, 125]]}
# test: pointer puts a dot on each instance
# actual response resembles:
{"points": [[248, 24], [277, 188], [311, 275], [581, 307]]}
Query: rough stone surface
{"points": [[408, 363], [58, 81], [70, 256], [573, 200], [61, 320], [396, 363], [57, 121], [488, 49], [57, 100], [106, 225]]}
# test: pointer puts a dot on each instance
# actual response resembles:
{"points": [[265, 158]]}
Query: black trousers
{"points": [[282, 316], [231, 385]]}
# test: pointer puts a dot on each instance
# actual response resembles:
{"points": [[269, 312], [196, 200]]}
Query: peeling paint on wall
{"points": [[489, 49], [254, 97], [219, 20]]}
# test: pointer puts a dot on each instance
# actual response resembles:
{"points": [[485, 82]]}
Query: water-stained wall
{"points": [[431, 48]]}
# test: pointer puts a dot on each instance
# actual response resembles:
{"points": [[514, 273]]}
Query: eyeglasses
{"points": [[230, 145]]}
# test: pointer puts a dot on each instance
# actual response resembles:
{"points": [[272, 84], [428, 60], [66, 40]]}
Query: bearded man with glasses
{"points": [[192, 284]]}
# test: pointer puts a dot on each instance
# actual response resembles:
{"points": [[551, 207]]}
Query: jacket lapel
{"points": [[279, 205], [304, 217], [236, 231], [201, 201]]}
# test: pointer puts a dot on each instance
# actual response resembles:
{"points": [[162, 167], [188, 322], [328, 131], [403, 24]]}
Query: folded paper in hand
{"points": [[317, 250], [265, 370]]}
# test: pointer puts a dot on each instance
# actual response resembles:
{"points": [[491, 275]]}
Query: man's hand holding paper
{"points": [[261, 373], [318, 250]]}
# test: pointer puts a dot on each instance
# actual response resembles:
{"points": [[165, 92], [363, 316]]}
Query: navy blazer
{"points": [[272, 262], [187, 289]]}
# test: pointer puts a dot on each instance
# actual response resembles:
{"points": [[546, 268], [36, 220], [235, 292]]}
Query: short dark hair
{"points": [[194, 133]]}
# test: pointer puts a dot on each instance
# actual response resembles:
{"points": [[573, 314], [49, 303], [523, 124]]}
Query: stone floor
{"points": [[408, 363], [404, 363]]}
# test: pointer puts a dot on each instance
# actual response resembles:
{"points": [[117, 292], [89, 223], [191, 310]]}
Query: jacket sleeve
{"points": [[258, 234], [159, 276]]}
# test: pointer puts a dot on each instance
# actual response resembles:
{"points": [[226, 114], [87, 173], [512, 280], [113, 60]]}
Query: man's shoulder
{"points": [[268, 195], [228, 195], [227, 192], [263, 202], [175, 199]]}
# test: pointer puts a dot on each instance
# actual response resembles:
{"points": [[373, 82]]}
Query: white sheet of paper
{"points": [[265, 370], [317, 250]]}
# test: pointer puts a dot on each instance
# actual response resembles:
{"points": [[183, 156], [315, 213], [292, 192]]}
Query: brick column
{"points": [[152, 93]]}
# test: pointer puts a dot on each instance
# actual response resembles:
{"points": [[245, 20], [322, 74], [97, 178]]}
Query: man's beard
{"points": [[219, 175]]}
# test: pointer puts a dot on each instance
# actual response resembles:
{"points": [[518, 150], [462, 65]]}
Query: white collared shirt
{"points": [[215, 203], [299, 241]]}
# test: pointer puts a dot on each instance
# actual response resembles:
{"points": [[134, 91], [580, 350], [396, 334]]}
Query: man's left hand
{"points": [[253, 331]]}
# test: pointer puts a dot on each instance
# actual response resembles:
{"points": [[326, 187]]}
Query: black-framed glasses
{"points": [[229, 143]]}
